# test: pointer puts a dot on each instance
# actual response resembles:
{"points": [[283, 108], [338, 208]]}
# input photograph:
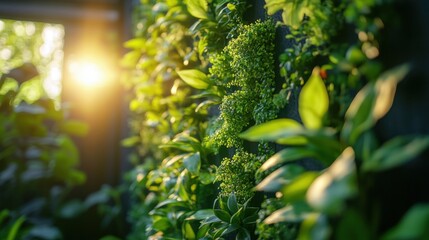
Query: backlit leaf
{"points": [[273, 130], [194, 78], [372, 103], [328, 192], [313, 101], [297, 189], [198, 8]]}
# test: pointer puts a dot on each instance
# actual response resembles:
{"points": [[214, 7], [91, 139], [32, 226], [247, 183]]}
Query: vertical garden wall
{"points": [[267, 120]]}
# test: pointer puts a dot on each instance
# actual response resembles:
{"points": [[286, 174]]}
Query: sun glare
{"points": [[88, 73]]}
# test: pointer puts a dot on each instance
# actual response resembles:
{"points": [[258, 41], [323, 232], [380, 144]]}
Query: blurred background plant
{"points": [[38, 158]]}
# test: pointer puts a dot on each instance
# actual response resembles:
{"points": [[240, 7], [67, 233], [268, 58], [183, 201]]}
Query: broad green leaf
{"points": [[279, 178], [313, 101], [358, 116], [232, 203], [192, 162], [201, 214], [203, 231], [237, 216], [222, 215], [286, 214], [297, 189], [274, 6], [183, 185], [274, 130], [329, 191], [161, 224], [396, 152], [194, 78], [188, 231], [386, 88], [413, 225], [287, 155], [209, 220], [372, 103], [186, 147], [293, 10], [198, 8]]}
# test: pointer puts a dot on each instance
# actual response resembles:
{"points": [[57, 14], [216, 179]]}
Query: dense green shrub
{"points": [[246, 73]]}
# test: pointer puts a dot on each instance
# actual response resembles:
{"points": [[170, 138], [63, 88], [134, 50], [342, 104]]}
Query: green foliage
{"points": [[229, 219], [247, 74], [329, 192], [38, 159], [203, 80], [237, 174], [219, 22]]}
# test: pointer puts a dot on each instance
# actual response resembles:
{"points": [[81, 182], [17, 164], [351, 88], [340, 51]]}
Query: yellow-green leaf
{"points": [[313, 101], [198, 8], [273, 130], [194, 78]]}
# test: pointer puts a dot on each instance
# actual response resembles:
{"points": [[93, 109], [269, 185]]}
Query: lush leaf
{"points": [[279, 129], [396, 152], [222, 215], [329, 191], [194, 78], [192, 162], [232, 203], [198, 8], [313, 101], [297, 188]]}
